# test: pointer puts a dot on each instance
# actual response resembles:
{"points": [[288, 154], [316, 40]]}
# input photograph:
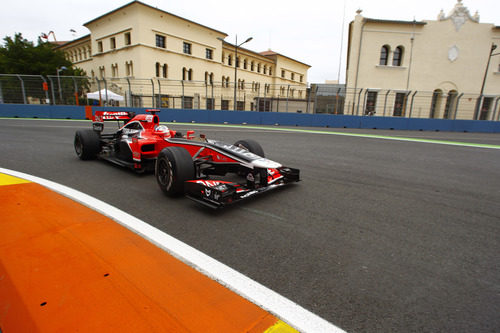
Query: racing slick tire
{"points": [[87, 144], [174, 166], [251, 145]]}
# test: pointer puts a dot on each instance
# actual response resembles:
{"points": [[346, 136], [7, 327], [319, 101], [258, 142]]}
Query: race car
{"points": [[183, 164]]}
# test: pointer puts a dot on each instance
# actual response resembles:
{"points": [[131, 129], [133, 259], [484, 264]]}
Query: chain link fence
{"points": [[422, 104], [211, 95]]}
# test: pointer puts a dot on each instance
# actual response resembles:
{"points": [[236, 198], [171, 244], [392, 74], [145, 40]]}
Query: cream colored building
{"points": [[147, 54], [426, 69]]}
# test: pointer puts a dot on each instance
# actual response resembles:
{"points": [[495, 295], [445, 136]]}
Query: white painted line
{"points": [[357, 135], [286, 310]]}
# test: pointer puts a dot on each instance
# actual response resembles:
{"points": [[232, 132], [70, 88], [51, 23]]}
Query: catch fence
{"points": [[212, 95]]}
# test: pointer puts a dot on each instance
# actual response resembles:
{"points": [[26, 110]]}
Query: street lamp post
{"points": [[236, 46], [478, 102], [59, 81]]}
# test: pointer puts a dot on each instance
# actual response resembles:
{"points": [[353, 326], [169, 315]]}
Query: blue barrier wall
{"points": [[261, 118]]}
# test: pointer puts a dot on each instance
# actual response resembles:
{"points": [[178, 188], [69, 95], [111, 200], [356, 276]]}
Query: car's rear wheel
{"points": [[251, 145], [87, 144], [174, 166]]}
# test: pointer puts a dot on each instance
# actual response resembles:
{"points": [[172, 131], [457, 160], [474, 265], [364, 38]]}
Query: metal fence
{"points": [[157, 92], [422, 104], [409, 104], [316, 98]]}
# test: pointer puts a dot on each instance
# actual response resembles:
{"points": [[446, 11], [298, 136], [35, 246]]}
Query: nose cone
{"points": [[264, 163]]}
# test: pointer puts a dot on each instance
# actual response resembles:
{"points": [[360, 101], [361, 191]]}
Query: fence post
{"points": [[258, 97], [308, 91], [1, 93], [411, 104], [405, 103], [385, 101], [337, 102], [152, 93], [159, 92], [265, 94], [105, 91], [22, 88], [359, 97], [182, 97], [213, 100], [76, 90], [456, 106], [99, 90], [131, 100], [46, 91], [495, 109], [316, 99], [287, 96], [364, 104]]}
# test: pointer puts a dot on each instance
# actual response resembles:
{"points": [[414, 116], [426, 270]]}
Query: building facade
{"points": [[155, 58], [426, 69]]}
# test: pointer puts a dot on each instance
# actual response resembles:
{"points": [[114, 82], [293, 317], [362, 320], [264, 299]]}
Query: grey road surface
{"points": [[379, 236]]}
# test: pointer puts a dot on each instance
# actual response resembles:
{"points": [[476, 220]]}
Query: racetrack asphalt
{"points": [[380, 235]]}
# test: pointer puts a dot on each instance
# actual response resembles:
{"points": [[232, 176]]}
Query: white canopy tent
{"points": [[111, 96]]}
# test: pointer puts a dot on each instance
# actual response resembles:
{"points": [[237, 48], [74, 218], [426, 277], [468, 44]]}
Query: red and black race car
{"points": [[183, 164]]}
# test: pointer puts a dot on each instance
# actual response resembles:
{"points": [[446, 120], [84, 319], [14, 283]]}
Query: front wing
{"points": [[218, 193]]}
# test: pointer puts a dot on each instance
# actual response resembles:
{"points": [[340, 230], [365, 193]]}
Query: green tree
{"points": [[20, 56]]}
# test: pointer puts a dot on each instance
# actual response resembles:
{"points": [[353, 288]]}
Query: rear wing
{"points": [[100, 117]]}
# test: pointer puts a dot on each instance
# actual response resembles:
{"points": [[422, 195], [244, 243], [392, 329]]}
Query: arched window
{"points": [[435, 103], [245, 64], [397, 58], [252, 65], [229, 60], [165, 70], [130, 68], [451, 102], [157, 69], [209, 78], [384, 55], [184, 73]]}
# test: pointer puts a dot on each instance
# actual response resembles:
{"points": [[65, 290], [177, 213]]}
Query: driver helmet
{"points": [[164, 129]]}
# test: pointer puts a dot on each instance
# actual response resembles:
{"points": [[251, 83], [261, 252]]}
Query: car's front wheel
{"points": [[174, 166], [251, 145], [87, 144]]}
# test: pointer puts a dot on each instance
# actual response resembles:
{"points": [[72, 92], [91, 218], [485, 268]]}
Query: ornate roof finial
{"points": [[441, 15], [476, 16], [359, 11], [459, 15]]}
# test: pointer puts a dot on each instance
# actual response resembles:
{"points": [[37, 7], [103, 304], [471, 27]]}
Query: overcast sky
{"points": [[307, 30]]}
